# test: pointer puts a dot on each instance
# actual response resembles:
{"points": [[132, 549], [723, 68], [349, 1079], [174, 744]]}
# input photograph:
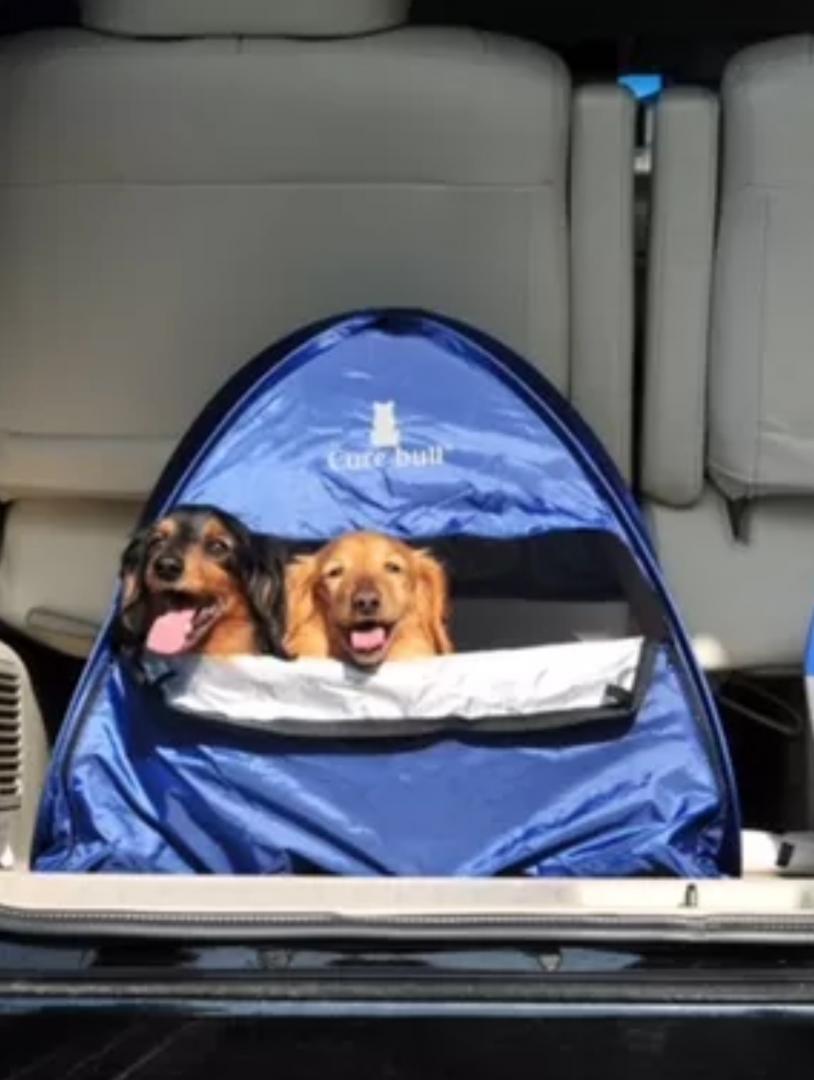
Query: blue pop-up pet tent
{"points": [[411, 424]]}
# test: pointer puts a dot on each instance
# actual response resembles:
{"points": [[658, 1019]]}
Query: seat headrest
{"points": [[260, 18]]}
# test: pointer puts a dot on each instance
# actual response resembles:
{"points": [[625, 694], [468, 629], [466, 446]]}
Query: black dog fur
{"points": [[256, 564]]}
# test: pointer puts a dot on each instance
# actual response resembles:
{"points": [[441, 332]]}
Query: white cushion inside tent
{"points": [[516, 688]]}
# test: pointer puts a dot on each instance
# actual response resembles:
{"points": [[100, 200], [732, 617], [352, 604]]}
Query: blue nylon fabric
{"points": [[175, 794], [135, 787], [502, 474]]}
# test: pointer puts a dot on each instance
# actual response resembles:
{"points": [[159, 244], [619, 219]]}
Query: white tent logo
{"points": [[386, 450], [384, 434]]}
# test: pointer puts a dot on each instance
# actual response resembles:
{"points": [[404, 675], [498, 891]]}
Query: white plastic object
{"points": [[23, 761]]}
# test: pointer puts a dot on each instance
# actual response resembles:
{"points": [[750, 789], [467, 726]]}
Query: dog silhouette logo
{"points": [[384, 434]]}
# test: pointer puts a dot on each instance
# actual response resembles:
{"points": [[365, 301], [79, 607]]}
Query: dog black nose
{"points": [[168, 568], [366, 602]]}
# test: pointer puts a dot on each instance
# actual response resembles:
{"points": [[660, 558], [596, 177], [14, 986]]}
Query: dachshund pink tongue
{"points": [[371, 640], [170, 633]]}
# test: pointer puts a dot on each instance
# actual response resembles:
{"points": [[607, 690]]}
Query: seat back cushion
{"points": [[680, 254], [761, 389], [169, 208], [282, 18]]}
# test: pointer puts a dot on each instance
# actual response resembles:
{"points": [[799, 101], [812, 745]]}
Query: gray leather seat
{"points": [[728, 448], [193, 182]]}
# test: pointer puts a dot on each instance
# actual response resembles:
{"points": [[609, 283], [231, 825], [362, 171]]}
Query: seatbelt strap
{"points": [[738, 513]]}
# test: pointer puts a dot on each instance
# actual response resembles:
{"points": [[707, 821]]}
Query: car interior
{"points": [[624, 196]]}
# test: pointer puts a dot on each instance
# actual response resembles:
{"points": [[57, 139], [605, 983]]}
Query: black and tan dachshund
{"points": [[198, 581]]}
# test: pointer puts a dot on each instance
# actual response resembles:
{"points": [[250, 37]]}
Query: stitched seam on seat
{"points": [[441, 185], [660, 212], [605, 420], [761, 356], [697, 395], [698, 447], [764, 185], [620, 446], [528, 306]]}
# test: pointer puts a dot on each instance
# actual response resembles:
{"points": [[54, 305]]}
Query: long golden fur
{"points": [[364, 598]]}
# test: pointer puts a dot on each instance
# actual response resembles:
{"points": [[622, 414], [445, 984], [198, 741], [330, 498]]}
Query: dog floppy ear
{"points": [[263, 582], [433, 599], [306, 633], [129, 628]]}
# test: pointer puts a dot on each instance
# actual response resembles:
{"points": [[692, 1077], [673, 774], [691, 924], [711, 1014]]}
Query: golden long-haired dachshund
{"points": [[365, 598]]}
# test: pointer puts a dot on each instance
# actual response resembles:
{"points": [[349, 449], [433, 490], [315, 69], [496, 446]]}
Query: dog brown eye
{"points": [[393, 568], [153, 542], [334, 573], [216, 548]]}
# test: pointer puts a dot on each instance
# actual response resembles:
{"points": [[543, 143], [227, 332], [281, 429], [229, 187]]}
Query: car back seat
{"points": [[182, 184], [728, 442]]}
